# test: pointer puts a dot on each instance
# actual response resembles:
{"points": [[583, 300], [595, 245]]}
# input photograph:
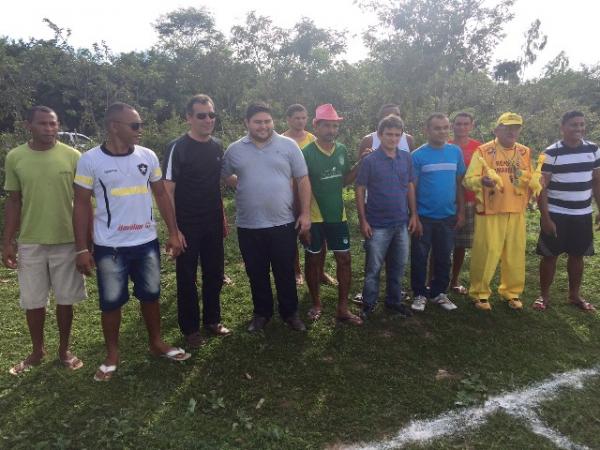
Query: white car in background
{"points": [[75, 139]]}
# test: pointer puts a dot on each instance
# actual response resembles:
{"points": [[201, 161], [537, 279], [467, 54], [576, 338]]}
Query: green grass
{"points": [[285, 390]]}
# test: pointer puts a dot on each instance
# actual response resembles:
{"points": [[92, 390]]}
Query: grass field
{"points": [[327, 388]]}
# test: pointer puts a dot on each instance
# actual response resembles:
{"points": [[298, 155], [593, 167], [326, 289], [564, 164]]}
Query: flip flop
{"points": [[314, 314], [460, 289], [350, 320], [583, 305], [539, 304], [20, 368], [105, 373], [73, 363], [176, 354]]}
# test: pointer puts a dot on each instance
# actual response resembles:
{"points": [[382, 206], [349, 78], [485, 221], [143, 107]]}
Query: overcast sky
{"points": [[127, 25]]}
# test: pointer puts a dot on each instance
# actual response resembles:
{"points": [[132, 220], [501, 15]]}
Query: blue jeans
{"points": [[438, 236], [389, 245], [114, 267]]}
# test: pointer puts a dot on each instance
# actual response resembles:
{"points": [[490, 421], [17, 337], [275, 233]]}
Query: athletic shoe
{"points": [[444, 302], [419, 303]]}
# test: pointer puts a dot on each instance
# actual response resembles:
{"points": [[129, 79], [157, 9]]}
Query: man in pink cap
{"points": [[329, 171]]}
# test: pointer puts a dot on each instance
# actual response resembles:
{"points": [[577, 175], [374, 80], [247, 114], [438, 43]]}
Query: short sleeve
{"points": [[411, 172], [346, 168], [170, 167], [362, 179], [11, 180], [297, 162], [416, 165], [597, 158], [84, 174], [227, 166], [155, 171]]}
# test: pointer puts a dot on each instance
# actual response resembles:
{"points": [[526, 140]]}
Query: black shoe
{"points": [[399, 309], [295, 323], [257, 323]]}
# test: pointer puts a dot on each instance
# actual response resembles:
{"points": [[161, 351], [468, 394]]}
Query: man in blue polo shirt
{"points": [[384, 221], [439, 168]]}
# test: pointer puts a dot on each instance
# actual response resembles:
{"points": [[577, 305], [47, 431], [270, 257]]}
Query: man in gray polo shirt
{"points": [[260, 166]]}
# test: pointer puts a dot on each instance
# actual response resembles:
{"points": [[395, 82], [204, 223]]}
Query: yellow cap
{"points": [[509, 118]]}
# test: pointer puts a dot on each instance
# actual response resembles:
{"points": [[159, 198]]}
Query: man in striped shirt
{"points": [[571, 174]]}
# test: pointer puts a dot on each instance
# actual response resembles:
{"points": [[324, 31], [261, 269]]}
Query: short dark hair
{"points": [[468, 115], [387, 106], [30, 114], [570, 115], [113, 110], [257, 107], [436, 115], [293, 109], [203, 99], [390, 121]]}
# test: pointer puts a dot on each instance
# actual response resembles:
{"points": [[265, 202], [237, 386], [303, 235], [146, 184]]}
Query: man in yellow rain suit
{"points": [[499, 174]]}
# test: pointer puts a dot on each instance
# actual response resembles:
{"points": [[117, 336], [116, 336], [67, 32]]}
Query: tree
{"points": [[188, 28]]}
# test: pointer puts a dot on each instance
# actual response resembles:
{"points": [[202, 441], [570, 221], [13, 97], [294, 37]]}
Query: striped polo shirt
{"points": [[386, 180], [570, 169]]}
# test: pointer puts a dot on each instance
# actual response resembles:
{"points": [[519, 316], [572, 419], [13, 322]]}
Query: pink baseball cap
{"points": [[326, 112]]}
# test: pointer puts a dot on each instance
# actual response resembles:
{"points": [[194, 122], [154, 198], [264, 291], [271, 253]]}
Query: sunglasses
{"points": [[133, 125], [202, 116]]}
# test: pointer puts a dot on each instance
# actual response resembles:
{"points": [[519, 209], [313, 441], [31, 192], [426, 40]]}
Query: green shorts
{"points": [[337, 236]]}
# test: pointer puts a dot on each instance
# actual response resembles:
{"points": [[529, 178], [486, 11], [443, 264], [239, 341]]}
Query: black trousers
{"points": [[204, 245], [264, 249]]}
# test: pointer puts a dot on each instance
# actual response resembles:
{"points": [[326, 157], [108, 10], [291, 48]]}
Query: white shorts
{"points": [[43, 267]]}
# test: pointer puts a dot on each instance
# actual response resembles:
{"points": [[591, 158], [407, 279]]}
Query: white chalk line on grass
{"points": [[519, 404]]}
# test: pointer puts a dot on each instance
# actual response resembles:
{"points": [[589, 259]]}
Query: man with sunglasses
{"points": [[192, 174], [122, 176]]}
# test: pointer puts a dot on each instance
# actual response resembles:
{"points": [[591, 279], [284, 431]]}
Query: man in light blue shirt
{"points": [[439, 168]]}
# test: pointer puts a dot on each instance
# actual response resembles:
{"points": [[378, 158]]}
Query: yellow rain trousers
{"points": [[501, 237]]}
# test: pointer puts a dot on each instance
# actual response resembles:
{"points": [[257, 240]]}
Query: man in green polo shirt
{"points": [[39, 183], [329, 171]]}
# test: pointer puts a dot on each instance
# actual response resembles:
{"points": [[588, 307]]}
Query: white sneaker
{"points": [[419, 303], [444, 302]]}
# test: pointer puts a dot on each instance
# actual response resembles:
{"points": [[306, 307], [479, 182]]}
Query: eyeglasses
{"points": [[202, 116], [133, 125]]}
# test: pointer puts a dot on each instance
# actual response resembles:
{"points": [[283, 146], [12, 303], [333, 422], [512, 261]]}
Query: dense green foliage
{"points": [[426, 55]]}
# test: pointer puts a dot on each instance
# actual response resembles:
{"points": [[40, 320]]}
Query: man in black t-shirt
{"points": [[192, 171]]}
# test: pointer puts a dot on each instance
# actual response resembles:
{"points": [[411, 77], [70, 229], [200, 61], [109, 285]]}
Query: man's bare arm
{"points": [[12, 221]]}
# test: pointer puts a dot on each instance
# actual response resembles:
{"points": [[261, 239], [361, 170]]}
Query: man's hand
{"points": [[182, 240], [365, 229], [548, 226], [413, 223], [418, 229], [305, 238], [488, 182], [303, 224], [598, 222], [9, 255], [174, 246], [460, 221], [84, 262]]}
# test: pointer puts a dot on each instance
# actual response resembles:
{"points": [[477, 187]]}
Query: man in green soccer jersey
{"points": [[329, 171]]}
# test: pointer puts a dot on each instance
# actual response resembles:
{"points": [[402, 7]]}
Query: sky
{"points": [[127, 25]]}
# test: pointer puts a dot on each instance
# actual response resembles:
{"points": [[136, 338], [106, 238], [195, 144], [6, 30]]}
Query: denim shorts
{"points": [[114, 267]]}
